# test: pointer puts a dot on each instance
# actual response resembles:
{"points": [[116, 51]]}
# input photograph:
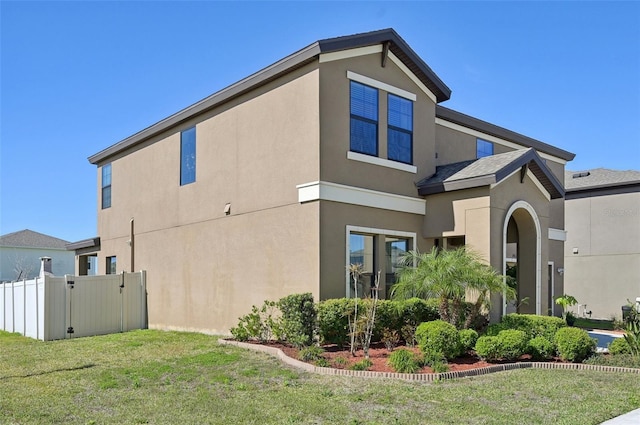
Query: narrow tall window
{"points": [[483, 148], [111, 265], [364, 119], [188, 156], [106, 186], [400, 130]]}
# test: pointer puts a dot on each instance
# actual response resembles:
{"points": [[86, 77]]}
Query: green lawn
{"points": [[184, 378], [583, 322]]}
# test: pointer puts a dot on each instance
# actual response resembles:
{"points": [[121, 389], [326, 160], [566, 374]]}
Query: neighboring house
{"points": [[337, 153], [602, 251], [20, 254]]}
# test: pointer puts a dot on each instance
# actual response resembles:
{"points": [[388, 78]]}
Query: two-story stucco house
{"points": [[338, 153]]}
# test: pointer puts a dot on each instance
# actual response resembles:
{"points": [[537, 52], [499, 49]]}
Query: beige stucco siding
{"points": [[605, 269], [335, 127], [251, 154]]}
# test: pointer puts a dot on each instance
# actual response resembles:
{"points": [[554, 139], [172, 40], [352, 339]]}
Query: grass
{"points": [[584, 323], [170, 377]]}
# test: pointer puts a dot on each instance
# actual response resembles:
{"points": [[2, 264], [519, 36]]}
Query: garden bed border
{"points": [[420, 377]]}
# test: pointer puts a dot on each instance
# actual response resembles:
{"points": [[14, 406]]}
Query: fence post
{"points": [[37, 312], [13, 308]]}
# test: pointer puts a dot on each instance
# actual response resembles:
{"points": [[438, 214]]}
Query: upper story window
{"points": [[364, 119], [188, 156], [106, 186], [400, 129], [483, 148]]}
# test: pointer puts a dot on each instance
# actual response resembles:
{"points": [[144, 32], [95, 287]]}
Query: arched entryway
{"points": [[522, 234]]}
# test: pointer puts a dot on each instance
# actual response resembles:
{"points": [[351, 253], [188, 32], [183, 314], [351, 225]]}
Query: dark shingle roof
{"points": [[599, 178], [30, 239], [489, 170]]}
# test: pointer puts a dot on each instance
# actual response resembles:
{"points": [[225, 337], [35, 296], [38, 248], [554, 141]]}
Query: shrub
{"points": [[390, 338], [298, 319], [438, 337], [488, 348], [311, 353], [416, 310], [363, 364], [494, 329], [322, 362], [408, 333], [574, 344], [333, 322], [619, 360], [533, 325], [513, 343], [619, 346], [404, 361], [387, 318], [259, 324], [541, 348], [468, 338]]}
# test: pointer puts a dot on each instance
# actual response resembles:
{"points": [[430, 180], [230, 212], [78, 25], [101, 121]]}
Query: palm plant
{"points": [[449, 276]]}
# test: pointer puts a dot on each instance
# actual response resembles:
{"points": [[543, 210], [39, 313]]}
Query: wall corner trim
{"points": [[327, 191]]}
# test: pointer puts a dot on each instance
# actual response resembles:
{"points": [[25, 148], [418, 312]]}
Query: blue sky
{"points": [[77, 77]]}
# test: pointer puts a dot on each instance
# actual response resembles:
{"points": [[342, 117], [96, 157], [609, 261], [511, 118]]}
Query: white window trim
{"points": [[382, 162], [490, 138], [380, 85], [370, 231], [327, 191]]}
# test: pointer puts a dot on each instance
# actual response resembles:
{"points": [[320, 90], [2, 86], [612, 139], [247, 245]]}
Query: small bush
{"points": [[541, 348], [390, 338], [408, 333], [513, 344], [363, 364], [488, 348], [438, 337], [619, 346], [574, 344], [340, 361], [468, 338], [404, 361], [322, 362], [259, 324], [298, 319], [310, 354]]}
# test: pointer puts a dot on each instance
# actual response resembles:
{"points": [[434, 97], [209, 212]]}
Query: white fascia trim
{"points": [[557, 234], [381, 162], [371, 231], [413, 77], [490, 138], [326, 191], [350, 53], [380, 85]]}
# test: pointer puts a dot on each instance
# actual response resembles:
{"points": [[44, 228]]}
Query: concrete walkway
{"points": [[631, 418]]}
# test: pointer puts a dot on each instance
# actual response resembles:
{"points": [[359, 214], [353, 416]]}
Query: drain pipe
{"points": [[132, 245]]}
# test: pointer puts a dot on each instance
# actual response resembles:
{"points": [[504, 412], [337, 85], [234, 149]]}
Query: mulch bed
{"points": [[341, 358]]}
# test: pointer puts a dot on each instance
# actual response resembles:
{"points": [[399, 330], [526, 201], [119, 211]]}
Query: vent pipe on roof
{"points": [[583, 174]]}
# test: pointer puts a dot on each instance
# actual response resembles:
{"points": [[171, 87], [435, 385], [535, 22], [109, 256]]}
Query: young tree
{"points": [[449, 276]]}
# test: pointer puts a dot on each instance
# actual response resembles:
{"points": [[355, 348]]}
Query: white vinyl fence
{"points": [[49, 308]]}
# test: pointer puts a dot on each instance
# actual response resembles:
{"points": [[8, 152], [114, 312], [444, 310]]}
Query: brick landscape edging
{"points": [[424, 377]]}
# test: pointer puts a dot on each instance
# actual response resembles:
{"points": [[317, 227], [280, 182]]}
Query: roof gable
{"points": [[294, 61], [30, 239], [490, 170]]}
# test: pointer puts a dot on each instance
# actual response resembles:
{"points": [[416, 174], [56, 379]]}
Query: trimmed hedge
{"points": [[574, 344], [533, 325], [509, 344], [438, 338], [468, 338], [488, 348], [541, 348], [298, 319], [619, 346]]}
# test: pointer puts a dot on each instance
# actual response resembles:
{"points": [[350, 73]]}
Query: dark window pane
{"points": [[106, 186], [188, 156], [364, 136], [106, 197], [400, 112], [483, 148], [364, 101], [400, 146]]}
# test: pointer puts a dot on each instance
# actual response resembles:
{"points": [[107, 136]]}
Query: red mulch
{"points": [[378, 354]]}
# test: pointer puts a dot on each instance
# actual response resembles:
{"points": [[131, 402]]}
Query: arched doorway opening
{"points": [[521, 248]]}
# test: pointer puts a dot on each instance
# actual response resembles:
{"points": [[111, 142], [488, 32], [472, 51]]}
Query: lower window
{"points": [[111, 265]]}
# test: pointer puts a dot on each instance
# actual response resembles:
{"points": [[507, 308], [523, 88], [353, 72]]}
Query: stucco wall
{"points": [[205, 269], [605, 270]]}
